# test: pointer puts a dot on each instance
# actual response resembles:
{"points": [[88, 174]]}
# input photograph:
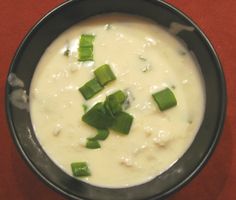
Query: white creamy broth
{"points": [[145, 59]]}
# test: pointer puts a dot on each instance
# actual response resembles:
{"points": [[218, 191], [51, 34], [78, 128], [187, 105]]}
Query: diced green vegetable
{"points": [[86, 54], [122, 123], [80, 169], [165, 99], [86, 47], [104, 74], [102, 134], [119, 95], [85, 107], [114, 102], [89, 89], [98, 117], [86, 40], [92, 144], [113, 106]]}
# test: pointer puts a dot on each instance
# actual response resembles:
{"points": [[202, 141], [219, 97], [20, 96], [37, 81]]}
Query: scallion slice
{"points": [[89, 89], [114, 102], [80, 169], [98, 117], [104, 74], [86, 54], [119, 95], [85, 108], [165, 99], [86, 40], [102, 134], [92, 144], [122, 123], [86, 47]]}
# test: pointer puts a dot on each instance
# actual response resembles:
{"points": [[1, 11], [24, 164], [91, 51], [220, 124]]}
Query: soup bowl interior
{"points": [[72, 12]]}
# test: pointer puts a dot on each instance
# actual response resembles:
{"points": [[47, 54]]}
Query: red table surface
{"points": [[217, 19]]}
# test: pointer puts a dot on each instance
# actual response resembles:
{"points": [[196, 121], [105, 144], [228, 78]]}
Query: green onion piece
{"points": [[86, 40], [165, 99], [86, 47], [114, 102], [119, 95], [102, 134], [108, 109], [89, 89], [98, 117], [80, 169], [122, 123], [92, 144], [104, 74], [113, 106], [85, 107], [86, 54]]}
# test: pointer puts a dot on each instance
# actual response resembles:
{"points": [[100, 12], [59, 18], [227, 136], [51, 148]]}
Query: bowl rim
{"points": [[211, 148]]}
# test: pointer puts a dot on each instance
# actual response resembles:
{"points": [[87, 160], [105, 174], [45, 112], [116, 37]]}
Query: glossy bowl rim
{"points": [[211, 148]]}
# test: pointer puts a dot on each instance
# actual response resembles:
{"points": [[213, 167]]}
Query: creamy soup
{"points": [[145, 58]]}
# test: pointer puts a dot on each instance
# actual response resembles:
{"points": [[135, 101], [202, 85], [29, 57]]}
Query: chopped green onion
{"points": [[122, 123], [165, 99], [108, 109], [85, 107], [104, 74], [89, 89], [98, 117], [80, 169], [113, 105], [86, 40], [114, 102], [92, 144], [86, 47], [86, 54], [119, 95], [102, 134]]}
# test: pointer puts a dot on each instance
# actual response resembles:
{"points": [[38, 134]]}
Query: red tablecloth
{"points": [[217, 180]]}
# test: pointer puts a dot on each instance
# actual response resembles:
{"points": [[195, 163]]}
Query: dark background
{"points": [[217, 181]]}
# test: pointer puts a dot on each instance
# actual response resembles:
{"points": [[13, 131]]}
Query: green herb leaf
{"points": [[86, 40], [86, 54], [80, 169], [165, 99], [91, 88], [113, 102], [92, 144], [86, 47], [98, 117], [104, 74], [85, 108], [122, 123], [102, 134]]}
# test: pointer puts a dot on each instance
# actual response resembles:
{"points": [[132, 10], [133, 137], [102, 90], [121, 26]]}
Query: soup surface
{"points": [[145, 58]]}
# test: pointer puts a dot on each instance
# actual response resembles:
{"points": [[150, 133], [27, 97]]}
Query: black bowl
{"points": [[66, 15]]}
